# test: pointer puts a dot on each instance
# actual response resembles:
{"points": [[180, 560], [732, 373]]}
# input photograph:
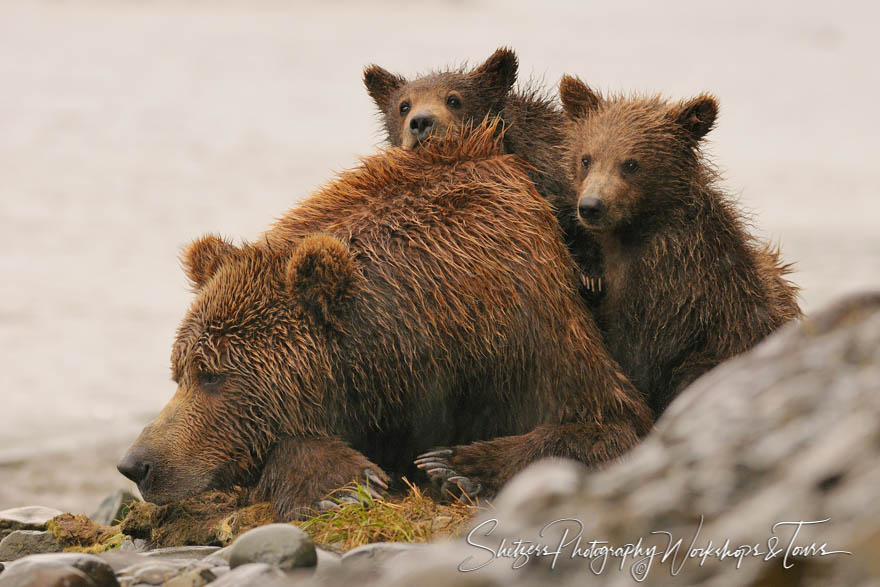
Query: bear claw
{"points": [[442, 473], [325, 505], [436, 464], [440, 452], [373, 479], [372, 483], [467, 487]]}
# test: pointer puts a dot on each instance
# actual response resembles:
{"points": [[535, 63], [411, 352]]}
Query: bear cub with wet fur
{"points": [[687, 286], [441, 102]]}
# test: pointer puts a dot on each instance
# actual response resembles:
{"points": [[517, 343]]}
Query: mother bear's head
{"points": [[252, 361]]}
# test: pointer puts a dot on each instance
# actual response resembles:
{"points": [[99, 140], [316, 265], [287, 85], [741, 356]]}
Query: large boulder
{"points": [[766, 469]]}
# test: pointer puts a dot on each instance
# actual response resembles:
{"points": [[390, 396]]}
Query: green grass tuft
{"points": [[414, 518]]}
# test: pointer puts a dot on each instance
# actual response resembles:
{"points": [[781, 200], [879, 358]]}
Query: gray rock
{"points": [[787, 432], [438, 568], [152, 572], [329, 570], [370, 561], [51, 577], [192, 578], [114, 507], [220, 570], [327, 558], [52, 565], [120, 560], [21, 543], [146, 570], [282, 545], [133, 545], [252, 574], [182, 552], [374, 555], [547, 481], [32, 517], [220, 557]]}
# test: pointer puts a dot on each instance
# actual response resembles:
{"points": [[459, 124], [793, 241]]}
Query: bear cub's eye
{"points": [[453, 102], [404, 108], [210, 380], [585, 161], [629, 166]]}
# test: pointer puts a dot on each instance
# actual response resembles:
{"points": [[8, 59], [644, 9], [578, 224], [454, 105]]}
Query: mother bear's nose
{"points": [[134, 467]]}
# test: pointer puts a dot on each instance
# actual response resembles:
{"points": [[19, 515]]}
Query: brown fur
{"points": [[533, 129], [687, 285], [422, 299]]}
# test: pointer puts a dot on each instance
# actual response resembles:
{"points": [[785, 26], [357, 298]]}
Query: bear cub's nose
{"points": [[590, 208], [421, 125], [134, 467]]}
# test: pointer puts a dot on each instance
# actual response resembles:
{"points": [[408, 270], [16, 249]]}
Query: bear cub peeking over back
{"points": [[412, 111], [686, 285]]}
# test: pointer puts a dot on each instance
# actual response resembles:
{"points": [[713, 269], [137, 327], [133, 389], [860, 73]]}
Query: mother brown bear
{"points": [[422, 299]]}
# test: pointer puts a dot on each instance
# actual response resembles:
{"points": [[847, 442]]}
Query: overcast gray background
{"points": [[129, 128]]}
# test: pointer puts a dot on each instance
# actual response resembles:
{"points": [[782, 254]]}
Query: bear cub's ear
{"points": [[381, 85], [203, 257], [578, 100], [320, 276], [498, 73], [697, 116]]}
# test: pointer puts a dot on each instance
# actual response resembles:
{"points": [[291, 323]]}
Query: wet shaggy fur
{"points": [[687, 285], [532, 122], [422, 299]]}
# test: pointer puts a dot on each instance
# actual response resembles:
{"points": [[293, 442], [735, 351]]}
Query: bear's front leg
{"points": [[300, 472], [481, 468]]}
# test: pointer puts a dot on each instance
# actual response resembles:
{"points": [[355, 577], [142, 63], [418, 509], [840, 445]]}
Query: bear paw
{"points": [[437, 464]]}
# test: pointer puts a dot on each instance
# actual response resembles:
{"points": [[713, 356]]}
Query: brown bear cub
{"points": [[686, 285], [414, 110], [423, 299]]}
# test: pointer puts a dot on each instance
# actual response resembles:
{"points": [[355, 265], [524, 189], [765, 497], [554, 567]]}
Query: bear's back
{"points": [[466, 280], [456, 218]]}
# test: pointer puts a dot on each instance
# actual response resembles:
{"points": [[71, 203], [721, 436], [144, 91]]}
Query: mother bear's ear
{"points": [[203, 257], [321, 276]]}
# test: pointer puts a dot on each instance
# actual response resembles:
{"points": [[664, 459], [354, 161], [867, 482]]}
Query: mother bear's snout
{"points": [[136, 466]]}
